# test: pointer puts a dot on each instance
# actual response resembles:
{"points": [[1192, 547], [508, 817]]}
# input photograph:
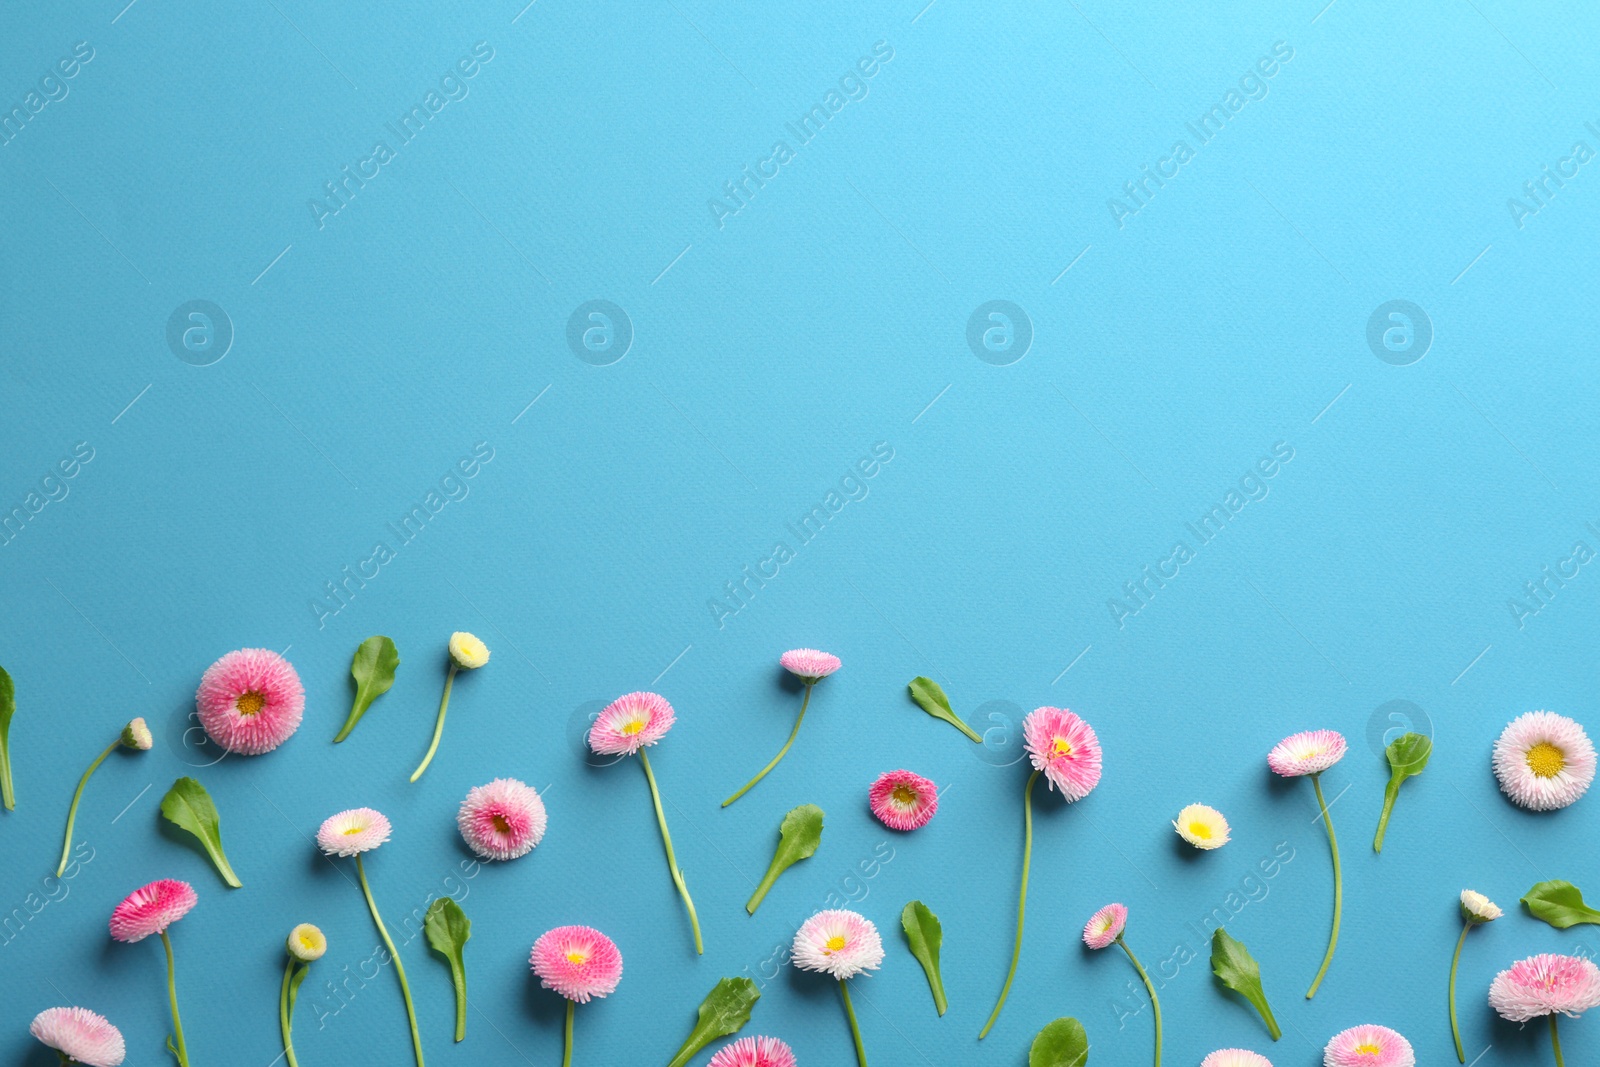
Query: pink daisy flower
{"points": [[1235, 1057], [1065, 748], [578, 962], [353, 832], [250, 701], [1544, 761], [1368, 1046], [754, 1052], [903, 800], [630, 723], [151, 909], [1545, 985], [1311, 752], [502, 820], [809, 665], [81, 1036], [1105, 926], [840, 943]]}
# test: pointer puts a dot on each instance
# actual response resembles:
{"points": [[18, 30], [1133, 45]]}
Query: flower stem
{"points": [[1555, 1041], [1154, 1001], [438, 727], [283, 1014], [1022, 902], [855, 1028], [182, 1051], [1338, 887], [8, 791], [672, 861], [1391, 792], [399, 968], [566, 1054], [782, 752], [1455, 1030], [72, 812]]}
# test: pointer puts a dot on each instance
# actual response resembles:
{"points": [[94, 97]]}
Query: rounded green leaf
{"points": [[798, 839], [931, 698], [723, 1013], [925, 935], [373, 670], [187, 805], [1062, 1043], [1560, 904]]}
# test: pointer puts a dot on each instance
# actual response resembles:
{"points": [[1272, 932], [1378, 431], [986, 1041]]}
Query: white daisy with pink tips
{"points": [[811, 667], [1544, 761], [841, 944], [1308, 755], [79, 1036]]}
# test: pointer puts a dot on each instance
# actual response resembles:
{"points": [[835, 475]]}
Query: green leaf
{"points": [[926, 692], [8, 707], [187, 805], [373, 670], [1408, 755], [448, 930], [924, 935], [1560, 904], [724, 1011], [1236, 969], [798, 838], [1060, 1044]]}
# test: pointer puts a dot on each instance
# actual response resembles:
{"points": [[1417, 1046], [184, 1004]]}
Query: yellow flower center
{"points": [[1200, 830], [351, 831], [633, 726], [307, 941], [577, 958], [1546, 760], [250, 702], [904, 794], [500, 824], [1062, 747], [1368, 1049], [836, 943]]}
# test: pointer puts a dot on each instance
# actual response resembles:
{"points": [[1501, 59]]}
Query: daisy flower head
{"points": [[754, 1052], [353, 832], [1544, 985], [151, 909], [630, 723], [1368, 1046], [1065, 748], [80, 1036], [903, 800], [502, 820], [809, 665], [840, 943], [307, 943], [1478, 909], [1202, 827], [1311, 752], [136, 735], [1235, 1057], [578, 962], [467, 651], [250, 701], [1105, 926], [1544, 761]]}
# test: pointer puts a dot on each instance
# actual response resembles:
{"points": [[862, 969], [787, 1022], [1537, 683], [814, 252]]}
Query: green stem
{"points": [[566, 1055], [8, 792], [283, 1014], [399, 968], [72, 812], [1150, 986], [458, 975], [1391, 792], [782, 752], [1455, 1030], [1022, 902], [672, 860], [1555, 1041], [1338, 887], [182, 1051], [438, 726], [855, 1028]]}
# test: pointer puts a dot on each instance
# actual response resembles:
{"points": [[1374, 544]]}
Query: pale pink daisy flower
{"points": [[80, 1035], [1235, 1057], [502, 820], [1311, 752], [754, 1052], [151, 909], [1105, 926], [1545, 985], [840, 943], [629, 723], [903, 800], [250, 701], [1065, 748], [1544, 761], [809, 665], [578, 962], [353, 832], [1368, 1046]]}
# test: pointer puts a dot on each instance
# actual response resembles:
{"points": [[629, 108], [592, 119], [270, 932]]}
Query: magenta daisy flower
{"points": [[578, 962], [1065, 748], [1544, 761], [630, 723], [810, 666], [842, 944], [502, 820], [1105, 926], [903, 800], [1307, 755], [80, 1036], [250, 701], [1545, 985], [150, 910], [353, 832], [754, 1052], [1368, 1046], [1235, 1057]]}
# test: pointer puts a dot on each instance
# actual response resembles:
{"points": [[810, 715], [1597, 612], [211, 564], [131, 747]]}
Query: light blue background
{"points": [[769, 356]]}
